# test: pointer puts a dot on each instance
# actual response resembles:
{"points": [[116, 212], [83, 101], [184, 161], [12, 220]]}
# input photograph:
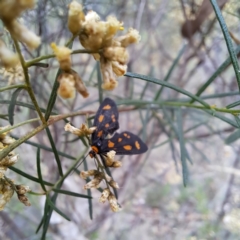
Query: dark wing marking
{"points": [[106, 120], [124, 143]]}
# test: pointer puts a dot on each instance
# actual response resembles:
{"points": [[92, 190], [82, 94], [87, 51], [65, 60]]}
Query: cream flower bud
{"points": [[3, 135], [82, 131], [9, 160], [93, 183], [92, 32], [3, 170], [109, 82], [66, 85], [7, 193], [14, 74], [75, 17], [7, 57], [92, 36], [23, 34], [113, 184], [116, 164], [108, 178], [108, 162], [23, 199], [92, 16], [22, 189], [92, 129], [118, 68], [79, 85], [113, 25], [63, 55], [85, 174], [104, 195], [69, 128], [8, 140], [112, 84], [12, 9], [110, 158], [119, 54], [113, 203], [131, 37], [87, 131], [111, 154]]}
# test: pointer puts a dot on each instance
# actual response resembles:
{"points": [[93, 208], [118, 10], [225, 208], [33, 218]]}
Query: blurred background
{"points": [[182, 43]]}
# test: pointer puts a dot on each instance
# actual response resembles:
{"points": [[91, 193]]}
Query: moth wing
{"points": [[125, 143], [106, 120]]}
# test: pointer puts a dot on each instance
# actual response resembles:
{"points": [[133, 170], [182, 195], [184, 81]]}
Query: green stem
{"points": [[51, 120], [12, 87], [178, 104], [18, 142], [38, 59], [27, 80], [69, 42], [18, 125], [38, 194]]}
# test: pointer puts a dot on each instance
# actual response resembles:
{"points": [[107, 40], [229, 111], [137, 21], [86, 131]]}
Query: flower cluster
{"points": [[8, 58], [69, 80], [10, 10], [82, 131], [106, 193], [99, 36], [7, 186], [13, 74], [21, 191], [109, 160]]}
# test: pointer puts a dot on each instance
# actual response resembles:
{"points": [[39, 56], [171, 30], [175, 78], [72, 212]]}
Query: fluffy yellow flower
{"points": [[82, 131], [66, 86], [63, 55], [23, 34], [75, 17], [7, 57], [13, 74], [11, 9]]}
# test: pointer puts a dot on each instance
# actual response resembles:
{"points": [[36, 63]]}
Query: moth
{"points": [[106, 123]]}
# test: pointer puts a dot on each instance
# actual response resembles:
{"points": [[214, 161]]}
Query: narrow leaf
{"points": [[55, 152], [169, 85], [53, 206], [89, 193], [227, 39], [12, 105], [29, 176], [232, 105], [233, 137], [42, 65], [182, 147], [39, 170], [71, 193], [46, 148], [53, 96], [220, 70], [99, 78]]}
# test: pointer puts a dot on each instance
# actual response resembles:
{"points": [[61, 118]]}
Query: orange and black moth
{"points": [[106, 123]]}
